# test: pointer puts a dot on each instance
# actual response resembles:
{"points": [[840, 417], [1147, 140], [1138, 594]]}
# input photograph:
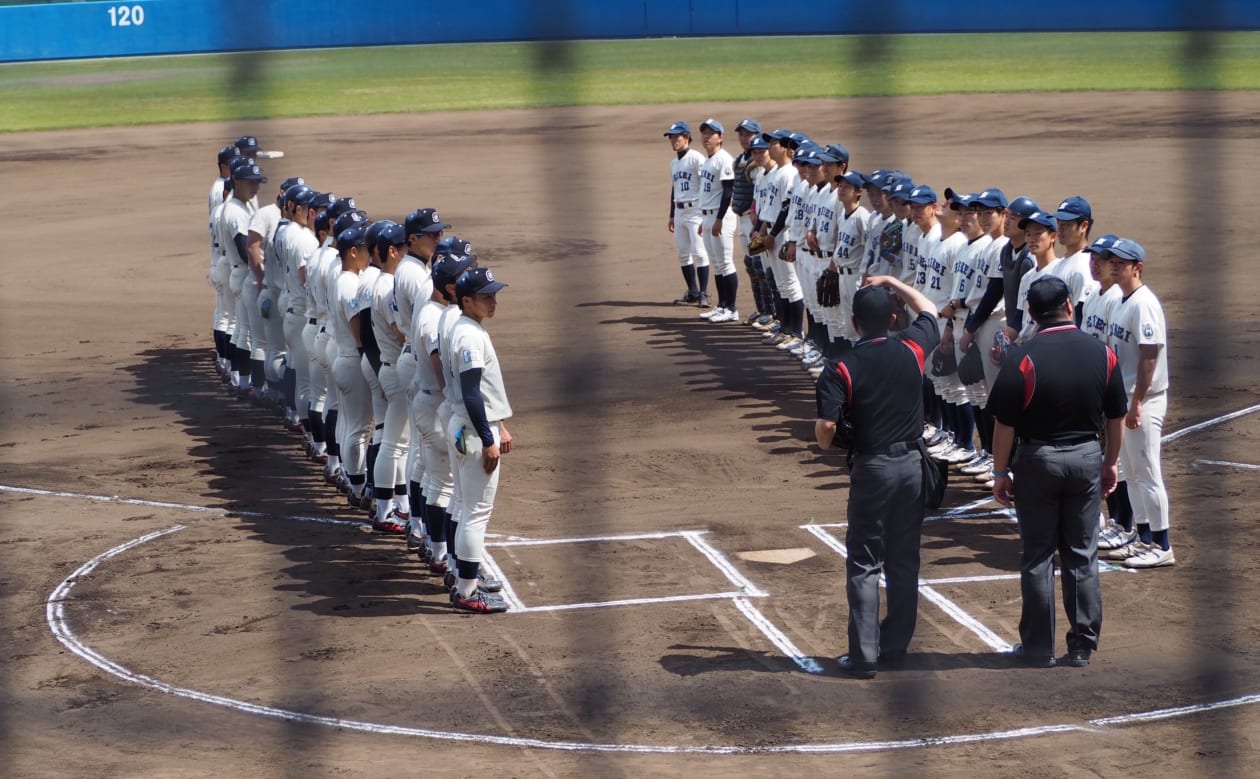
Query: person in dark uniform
{"points": [[1050, 401], [877, 389]]}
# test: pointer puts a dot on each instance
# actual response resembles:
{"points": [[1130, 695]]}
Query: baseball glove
{"points": [[829, 289], [757, 245], [1002, 345]]}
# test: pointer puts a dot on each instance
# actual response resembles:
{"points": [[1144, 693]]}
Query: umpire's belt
{"points": [[688, 204], [892, 450], [1077, 441], [311, 321], [707, 211]]}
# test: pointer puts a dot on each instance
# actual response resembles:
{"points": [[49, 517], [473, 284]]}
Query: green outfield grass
{"points": [[96, 93]]}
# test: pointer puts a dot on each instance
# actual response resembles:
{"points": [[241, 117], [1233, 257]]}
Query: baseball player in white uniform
{"points": [[234, 221], [820, 247], [355, 409], [684, 214], [369, 366], [312, 250], [294, 246], [773, 214], [1075, 218], [478, 433], [219, 268], [852, 250], [717, 225], [1041, 230], [1138, 335], [261, 245]]}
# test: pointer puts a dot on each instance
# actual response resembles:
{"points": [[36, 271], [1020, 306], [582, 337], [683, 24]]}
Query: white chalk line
{"points": [[722, 564], [519, 541], [1228, 464], [635, 602], [1185, 431], [65, 635], [946, 605], [777, 637], [507, 593]]}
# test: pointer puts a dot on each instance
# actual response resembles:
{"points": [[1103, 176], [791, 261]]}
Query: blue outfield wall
{"points": [[109, 29]]}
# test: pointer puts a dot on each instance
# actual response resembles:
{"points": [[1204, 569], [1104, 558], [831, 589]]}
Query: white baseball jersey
{"points": [[719, 167], [234, 220], [684, 173], [782, 181], [265, 223], [216, 200], [851, 243], [798, 213], [367, 283], [346, 305], [762, 191], [1029, 326], [908, 260], [332, 275], [1097, 312], [412, 286], [383, 318], [429, 334], [989, 267], [1138, 320], [317, 280], [967, 265], [1074, 270], [299, 244], [916, 245], [938, 258], [452, 398], [471, 349], [826, 219]]}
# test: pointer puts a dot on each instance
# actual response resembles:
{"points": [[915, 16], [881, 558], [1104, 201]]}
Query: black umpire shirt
{"points": [[1059, 387], [879, 387]]}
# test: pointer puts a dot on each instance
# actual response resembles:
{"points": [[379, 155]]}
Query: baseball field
{"points": [[181, 595]]}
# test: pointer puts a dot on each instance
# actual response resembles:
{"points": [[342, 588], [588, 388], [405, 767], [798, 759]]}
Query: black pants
{"points": [[1057, 498], [885, 522]]}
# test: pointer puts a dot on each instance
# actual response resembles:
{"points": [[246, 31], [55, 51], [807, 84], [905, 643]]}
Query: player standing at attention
{"points": [[684, 214], [389, 474], [767, 289], [741, 204], [1041, 230], [717, 228], [1075, 219], [234, 222], [851, 252], [773, 216], [299, 242], [355, 409], [478, 431], [219, 270], [1139, 338]]}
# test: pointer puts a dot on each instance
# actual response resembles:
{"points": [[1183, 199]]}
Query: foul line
{"points": [[777, 637], [1228, 464], [59, 625], [635, 601], [722, 564], [517, 541], [1168, 439]]}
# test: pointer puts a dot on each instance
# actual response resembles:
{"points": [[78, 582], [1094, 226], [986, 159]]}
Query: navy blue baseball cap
{"points": [[714, 125], [921, 195], [678, 128], [392, 234], [1023, 207], [895, 180], [1102, 244], [992, 198], [320, 199], [1126, 249], [448, 268], [749, 125], [758, 142], [291, 181], [901, 190], [960, 202], [346, 220], [239, 162], [853, 179], [778, 135], [227, 153], [247, 144], [477, 281], [838, 152], [1073, 208], [373, 233], [354, 235], [797, 139], [249, 172], [296, 194], [452, 245], [807, 156], [424, 220], [1042, 218], [340, 206]]}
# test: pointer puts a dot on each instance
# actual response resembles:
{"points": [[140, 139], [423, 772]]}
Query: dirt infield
{"points": [[633, 418]]}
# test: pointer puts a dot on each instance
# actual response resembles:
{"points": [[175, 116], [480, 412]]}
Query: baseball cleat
{"points": [[438, 567], [390, 525], [1131, 549], [1153, 556], [1114, 536], [688, 298], [712, 313], [704, 301], [478, 603], [732, 315], [854, 668]]}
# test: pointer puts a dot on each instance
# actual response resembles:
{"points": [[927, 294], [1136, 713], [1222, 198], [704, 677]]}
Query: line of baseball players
{"points": [[368, 338], [797, 209]]}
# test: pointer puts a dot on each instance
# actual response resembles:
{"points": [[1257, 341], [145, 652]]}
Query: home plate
{"points": [[780, 556]]}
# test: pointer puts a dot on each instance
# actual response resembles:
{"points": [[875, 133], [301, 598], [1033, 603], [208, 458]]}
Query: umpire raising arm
{"points": [[1053, 395], [877, 387]]}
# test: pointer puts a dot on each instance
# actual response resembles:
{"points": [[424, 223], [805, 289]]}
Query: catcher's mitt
{"points": [[1002, 345], [757, 245], [829, 289], [890, 241]]}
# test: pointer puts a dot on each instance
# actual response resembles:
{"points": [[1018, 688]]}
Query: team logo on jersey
{"points": [[1148, 331], [466, 356]]}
